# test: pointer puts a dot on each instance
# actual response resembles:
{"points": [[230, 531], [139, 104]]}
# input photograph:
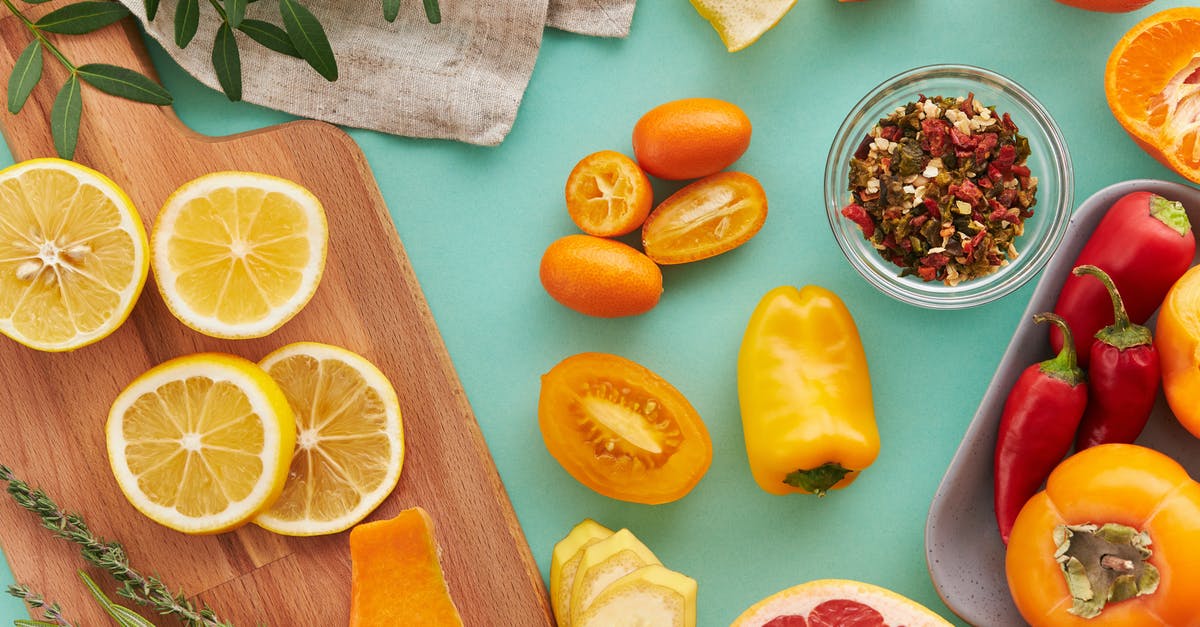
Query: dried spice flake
{"points": [[941, 189]]}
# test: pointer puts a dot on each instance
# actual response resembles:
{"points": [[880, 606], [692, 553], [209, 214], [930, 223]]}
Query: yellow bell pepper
{"points": [[805, 393]]}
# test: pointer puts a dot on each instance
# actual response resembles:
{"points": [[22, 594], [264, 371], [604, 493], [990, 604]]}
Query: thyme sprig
{"points": [[109, 556], [73, 19], [51, 612]]}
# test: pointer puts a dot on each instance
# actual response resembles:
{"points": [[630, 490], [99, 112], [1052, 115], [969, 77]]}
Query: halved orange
{"points": [[1152, 83]]}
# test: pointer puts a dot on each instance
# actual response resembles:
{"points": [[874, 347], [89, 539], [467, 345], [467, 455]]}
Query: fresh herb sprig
{"points": [[52, 613], [109, 556], [302, 36], [74, 19]]}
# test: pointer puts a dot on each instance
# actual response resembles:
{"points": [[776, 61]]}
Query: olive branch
{"points": [[302, 36]]}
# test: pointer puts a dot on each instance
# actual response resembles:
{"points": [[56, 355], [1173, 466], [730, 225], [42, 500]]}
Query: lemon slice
{"points": [[350, 444], [741, 22], [237, 254], [73, 255], [201, 443]]}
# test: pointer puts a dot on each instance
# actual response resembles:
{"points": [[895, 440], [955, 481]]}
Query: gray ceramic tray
{"points": [[962, 543]]}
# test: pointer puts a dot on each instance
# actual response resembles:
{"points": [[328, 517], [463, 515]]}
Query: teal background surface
{"points": [[475, 222]]}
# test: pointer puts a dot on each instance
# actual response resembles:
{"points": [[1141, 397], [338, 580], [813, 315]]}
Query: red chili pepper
{"points": [[1145, 244], [1123, 378], [1037, 427]]}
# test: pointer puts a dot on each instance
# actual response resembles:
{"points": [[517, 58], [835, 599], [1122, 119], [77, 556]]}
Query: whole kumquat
{"points": [[600, 277], [1151, 85], [690, 138], [608, 194]]}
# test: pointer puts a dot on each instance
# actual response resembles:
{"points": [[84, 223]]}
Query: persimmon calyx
{"points": [[1104, 564]]}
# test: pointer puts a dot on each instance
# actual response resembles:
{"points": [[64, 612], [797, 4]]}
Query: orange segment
{"points": [[1152, 83]]}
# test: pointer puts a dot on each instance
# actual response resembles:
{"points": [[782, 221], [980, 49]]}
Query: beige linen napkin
{"points": [[462, 79]]}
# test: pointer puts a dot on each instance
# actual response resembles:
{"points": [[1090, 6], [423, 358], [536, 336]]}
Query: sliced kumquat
{"points": [[711, 216], [608, 194]]}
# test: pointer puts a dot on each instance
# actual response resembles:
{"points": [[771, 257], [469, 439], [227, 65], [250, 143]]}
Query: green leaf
{"points": [[124, 616], [308, 36], [151, 9], [25, 74], [36, 1], [228, 63], [235, 12], [82, 17], [433, 12], [391, 9], [269, 36], [187, 20], [64, 118], [123, 82], [21, 622]]}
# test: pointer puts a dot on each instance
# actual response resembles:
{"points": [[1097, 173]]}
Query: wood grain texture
{"points": [[369, 301]]}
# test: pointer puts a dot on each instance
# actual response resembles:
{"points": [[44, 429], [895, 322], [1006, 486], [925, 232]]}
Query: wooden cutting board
{"points": [[55, 405]]}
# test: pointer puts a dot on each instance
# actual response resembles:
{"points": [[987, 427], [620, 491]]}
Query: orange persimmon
{"points": [[1115, 518], [396, 578]]}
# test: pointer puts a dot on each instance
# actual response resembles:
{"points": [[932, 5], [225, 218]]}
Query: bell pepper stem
{"points": [[1122, 333], [1065, 365], [817, 480]]}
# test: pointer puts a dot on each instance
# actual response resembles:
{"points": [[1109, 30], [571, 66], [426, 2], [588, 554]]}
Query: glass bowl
{"points": [[1048, 161]]}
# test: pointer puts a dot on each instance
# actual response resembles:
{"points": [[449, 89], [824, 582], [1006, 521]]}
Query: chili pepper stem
{"points": [[1170, 213], [1122, 333], [1065, 365]]}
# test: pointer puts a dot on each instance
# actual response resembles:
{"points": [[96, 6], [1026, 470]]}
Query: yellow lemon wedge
{"points": [[73, 255], [201, 443], [564, 565], [349, 443], [238, 254], [741, 22]]}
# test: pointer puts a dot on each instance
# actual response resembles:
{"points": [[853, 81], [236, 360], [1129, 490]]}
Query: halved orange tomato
{"points": [[713, 215], [622, 430], [608, 194]]}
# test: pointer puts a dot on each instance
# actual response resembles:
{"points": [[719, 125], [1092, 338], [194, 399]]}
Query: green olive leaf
{"points": [[308, 36], [391, 10], [151, 9], [64, 118], [269, 36], [187, 20], [228, 63], [25, 75], [82, 17], [123, 82], [235, 12], [433, 12]]}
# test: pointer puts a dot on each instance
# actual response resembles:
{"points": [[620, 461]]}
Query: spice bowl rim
{"points": [[1055, 185]]}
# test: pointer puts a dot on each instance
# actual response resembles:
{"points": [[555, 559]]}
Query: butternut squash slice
{"points": [[396, 578]]}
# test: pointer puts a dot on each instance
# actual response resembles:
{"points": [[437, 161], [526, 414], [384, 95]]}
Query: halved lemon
{"points": [[201, 443], [73, 255], [350, 443], [238, 254]]}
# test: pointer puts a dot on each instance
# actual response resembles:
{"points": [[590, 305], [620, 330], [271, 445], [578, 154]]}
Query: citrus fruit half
{"points": [[608, 194], [837, 602], [741, 22], [238, 254], [349, 443], [201, 443], [73, 255], [1152, 82]]}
